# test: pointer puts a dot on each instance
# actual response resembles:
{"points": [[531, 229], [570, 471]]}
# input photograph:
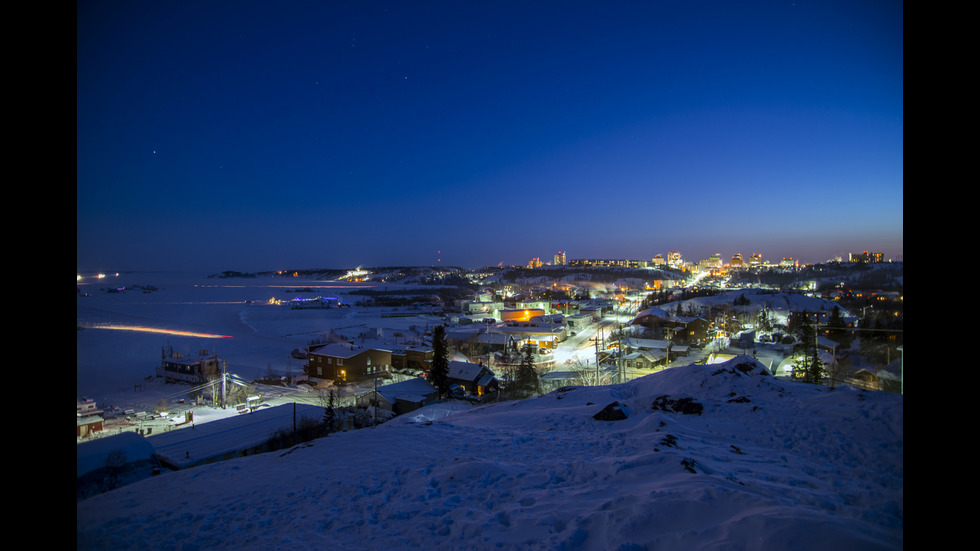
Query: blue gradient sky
{"points": [[263, 135]]}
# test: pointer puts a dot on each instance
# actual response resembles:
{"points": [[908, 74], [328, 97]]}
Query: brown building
{"points": [[85, 426], [342, 362], [689, 330], [201, 369], [418, 359]]}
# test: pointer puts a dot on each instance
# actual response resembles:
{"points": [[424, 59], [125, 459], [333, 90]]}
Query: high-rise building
{"points": [[866, 257], [658, 261], [607, 262], [674, 259], [755, 261], [561, 259], [737, 261]]}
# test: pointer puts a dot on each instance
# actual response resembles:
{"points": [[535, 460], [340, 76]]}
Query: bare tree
{"points": [[115, 461], [590, 375]]}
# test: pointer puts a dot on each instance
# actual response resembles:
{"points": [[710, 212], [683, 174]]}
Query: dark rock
{"points": [[613, 412], [687, 406], [669, 441]]}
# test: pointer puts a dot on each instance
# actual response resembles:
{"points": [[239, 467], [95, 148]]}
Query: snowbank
{"points": [[710, 456]]}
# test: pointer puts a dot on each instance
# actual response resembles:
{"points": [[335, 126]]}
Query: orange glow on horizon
{"points": [[164, 331]]}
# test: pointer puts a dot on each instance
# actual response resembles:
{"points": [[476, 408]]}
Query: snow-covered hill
{"points": [[717, 456]]}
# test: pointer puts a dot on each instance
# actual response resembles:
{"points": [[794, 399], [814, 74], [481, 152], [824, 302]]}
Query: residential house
{"points": [[401, 397], [477, 341], [650, 315], [689, 330], [347, 363], [682, 329], [653, 320], [476, 379], [644, 359]]}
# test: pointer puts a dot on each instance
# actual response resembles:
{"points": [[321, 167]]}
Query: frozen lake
{"points": [[121, 334]]}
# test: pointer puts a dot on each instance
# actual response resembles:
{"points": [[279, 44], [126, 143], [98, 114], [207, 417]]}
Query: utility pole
{"points": [[619, 356], [224, 367], [597, 338]]}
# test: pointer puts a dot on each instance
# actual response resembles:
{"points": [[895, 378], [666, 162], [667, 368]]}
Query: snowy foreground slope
{"points": [[746, 462]]}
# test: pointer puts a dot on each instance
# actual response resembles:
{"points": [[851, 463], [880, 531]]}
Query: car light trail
{"points": [[164, 331]]}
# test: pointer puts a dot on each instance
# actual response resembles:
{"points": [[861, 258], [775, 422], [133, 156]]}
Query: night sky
{"points": [[264, 135]]}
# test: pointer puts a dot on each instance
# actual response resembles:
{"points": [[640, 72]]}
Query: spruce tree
{"points": [[837, 329], [329, 415], [765, 323], [526, 381], [814, 372], [439, 373]]}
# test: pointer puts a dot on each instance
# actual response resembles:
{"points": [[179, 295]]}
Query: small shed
{"points": [[87, 425]]}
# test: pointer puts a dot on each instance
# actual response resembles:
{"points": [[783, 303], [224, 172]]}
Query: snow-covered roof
{"points": [[465, 370], [405, 390], [530, 330], [686, 319], [651, 355], [341, 350], [826, 343], [88, 419], [413, 348], [189, 446], [647, 344], [560, 375], [652, 311]]}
